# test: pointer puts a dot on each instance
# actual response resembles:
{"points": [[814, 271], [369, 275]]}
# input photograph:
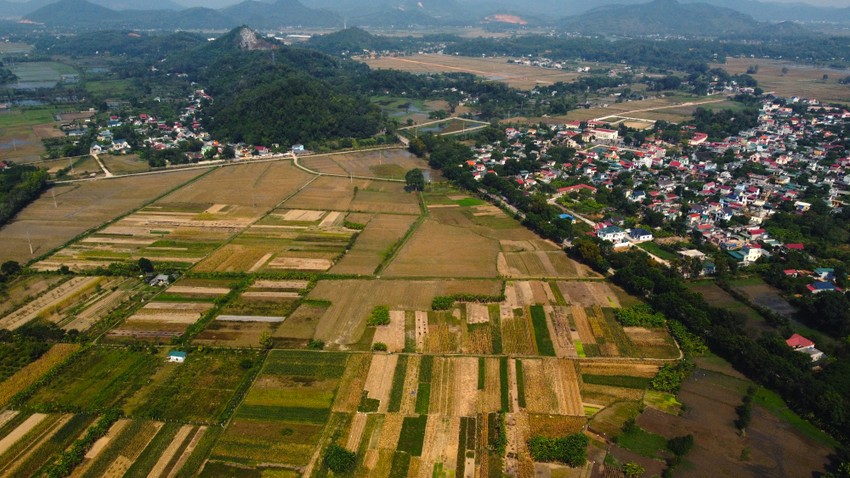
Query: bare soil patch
{"points": [[392, 334], [380, 379], [588, 294], [21, 430]]}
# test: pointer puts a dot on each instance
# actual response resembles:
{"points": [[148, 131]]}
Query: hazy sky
{"points": [[822, 3], [223, 3]]}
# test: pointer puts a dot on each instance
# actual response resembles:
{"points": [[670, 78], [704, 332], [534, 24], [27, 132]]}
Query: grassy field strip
{"points": [[5, 417], [99, 446], [30, 374], [48, 300], [30, 443], [187, 452], [160, 467]]}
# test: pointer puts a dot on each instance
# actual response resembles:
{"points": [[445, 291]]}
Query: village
{"points": [[717, 192]]}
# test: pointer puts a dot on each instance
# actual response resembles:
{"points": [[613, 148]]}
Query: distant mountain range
{"points": [[624, 17], [662, 17], [85, 15]]}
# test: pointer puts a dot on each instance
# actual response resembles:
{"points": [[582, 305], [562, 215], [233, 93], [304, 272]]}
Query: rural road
{"points": [[661, 261], [228, 163], [106, 172], [668, 107]]}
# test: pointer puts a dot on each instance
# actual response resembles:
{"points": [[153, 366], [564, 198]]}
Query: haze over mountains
{"points": [[635, 17]]}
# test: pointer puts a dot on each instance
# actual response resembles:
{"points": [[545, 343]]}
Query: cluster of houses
{"points": [[159, 135], [734, 185]]}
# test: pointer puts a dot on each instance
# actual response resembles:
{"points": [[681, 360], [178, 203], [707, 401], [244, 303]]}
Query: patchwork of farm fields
{"points": [[47, 224], [428, 334]]}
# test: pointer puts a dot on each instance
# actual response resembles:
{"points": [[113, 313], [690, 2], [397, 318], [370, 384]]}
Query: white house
{"points": [[611, 234], [176, 356], [638, 234]]}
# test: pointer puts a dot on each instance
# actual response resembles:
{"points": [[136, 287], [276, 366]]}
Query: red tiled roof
{"points": [[798, 341]]}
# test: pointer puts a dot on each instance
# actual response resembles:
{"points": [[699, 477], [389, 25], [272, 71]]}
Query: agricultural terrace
{"points": [[498, 69], [78, 207], [427, 333], [171, 312]]}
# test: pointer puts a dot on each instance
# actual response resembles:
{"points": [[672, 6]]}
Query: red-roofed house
{"points": [[797, 342], [698, 138], [805, 346]]}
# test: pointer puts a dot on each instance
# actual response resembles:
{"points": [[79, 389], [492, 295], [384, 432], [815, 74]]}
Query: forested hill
{"points": [[267, 93], [662, 17], [139, 46]]}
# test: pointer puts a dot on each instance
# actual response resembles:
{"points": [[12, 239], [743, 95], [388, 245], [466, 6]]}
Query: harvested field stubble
{"points": [[344, 321], [81, 206]]}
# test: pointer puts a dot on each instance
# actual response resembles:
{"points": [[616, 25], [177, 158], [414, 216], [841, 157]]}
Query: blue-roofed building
{"points": [[825, 273], [176, 356], [818, 287]]}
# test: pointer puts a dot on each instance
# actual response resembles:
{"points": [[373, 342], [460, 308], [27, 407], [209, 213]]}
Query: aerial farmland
{"points": [[317, 308]]}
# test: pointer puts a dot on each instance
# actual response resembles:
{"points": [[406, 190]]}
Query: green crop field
{"points": [[412, 435], [541, 331], [198, 390], [284, 414], [97, 379]]}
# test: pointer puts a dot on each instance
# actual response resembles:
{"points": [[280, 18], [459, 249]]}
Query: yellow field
{"points": [[381, 232], [498, 69], [344, 321], [254, 185], [79, 207], [439, 250], [800, 80]]}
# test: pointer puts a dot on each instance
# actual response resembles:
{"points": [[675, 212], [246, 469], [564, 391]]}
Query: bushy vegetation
{"points": [[745, 409], [17, 352], [445, 302], [73, 456], [640, 315], [767, 359], [570, 449], [670, 377], [19, 185], [380, 316], [338, 459]]}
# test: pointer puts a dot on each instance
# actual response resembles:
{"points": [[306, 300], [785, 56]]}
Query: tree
{"points": [[266, 341], [10, 268], [228, 152], [339, 460], [633, 470], [415, 180], [145, 265]]}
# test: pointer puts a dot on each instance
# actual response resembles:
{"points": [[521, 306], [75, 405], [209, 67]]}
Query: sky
{"points": [[224, 3], [821, 3]]}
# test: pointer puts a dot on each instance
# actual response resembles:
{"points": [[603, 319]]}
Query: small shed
{"points": [[160, 280], [176, 356]]}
